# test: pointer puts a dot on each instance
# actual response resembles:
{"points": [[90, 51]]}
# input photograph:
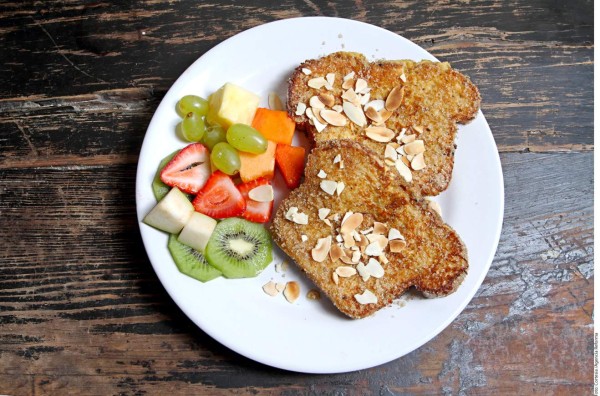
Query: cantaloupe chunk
{"points": [[275, 125], [258, 165], [231, 105]]}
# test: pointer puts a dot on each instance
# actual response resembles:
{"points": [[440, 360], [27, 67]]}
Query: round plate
{"points": [[311, 336]]}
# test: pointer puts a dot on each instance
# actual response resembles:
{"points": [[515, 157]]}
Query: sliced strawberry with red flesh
{"points": [[258, 212], [219, 198], [188, 170]]}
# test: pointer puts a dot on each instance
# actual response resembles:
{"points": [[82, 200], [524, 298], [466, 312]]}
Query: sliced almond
{"points": [[345, 271], [374, 249], [280, 286], [321, 250], [385, 114], [347, 84], [291, 291], [375, 269], [379, 134], [390, 162], [350, 96], [327, 99], [383, 242], [363, 272], [338, 108], [300, 108], [341, 164], [418, 162], [275, 101], [326, 221], [306, 71], [351, 222], [337, 158], [367, 297], [321, 174], [317, 113], [348, 240], [394, 234], [379, 228], [406, 139], [335, 277], [394, 99], [355, 114], [364, 99], [383, 259], [356, 256], [397, 245], [329, 186], [373, 115], [339, 238], [303, 238], [340, 188], [414, 148], [335, 252], [346, 258], [363, 241], [330, 78], [323, 212], [317, 83], [349, 76], [300, 218], [404, 170], [263, 193], [406, 161], [418, 129], [360, 85], [270, 288], [390, 153], [403, 77], [316, 103], [376, 104], [333, 117]]}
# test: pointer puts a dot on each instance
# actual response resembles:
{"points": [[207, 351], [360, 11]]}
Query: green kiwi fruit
{"points": [[190, 261], [239, 248], [159, 188]]}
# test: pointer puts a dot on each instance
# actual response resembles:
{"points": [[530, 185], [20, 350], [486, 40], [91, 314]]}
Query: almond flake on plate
{"points": [[415, 147], [403, 170], [321, 250], [345, 271], [363, 272], [270, 288], [334, 118], [317, 82], [374, 249], [379, 134], [355, 114], [340, 187], [291, 291], [316, 103], [321, 174], [306, 71], [330, 77], [323, 212], [418, 162], [394, 234]]}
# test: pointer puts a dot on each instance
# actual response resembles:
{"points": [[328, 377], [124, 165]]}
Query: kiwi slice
{"points": [[239, 248], [159, 188], [190, 261]]}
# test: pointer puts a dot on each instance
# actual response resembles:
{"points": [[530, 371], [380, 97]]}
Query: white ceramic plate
{"points": [[311, 336]]}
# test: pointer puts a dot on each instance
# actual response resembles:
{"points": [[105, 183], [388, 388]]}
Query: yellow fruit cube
{"points": [[231, 105]]}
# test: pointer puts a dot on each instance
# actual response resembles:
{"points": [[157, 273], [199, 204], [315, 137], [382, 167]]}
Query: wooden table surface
{"points": [[81, 310]]}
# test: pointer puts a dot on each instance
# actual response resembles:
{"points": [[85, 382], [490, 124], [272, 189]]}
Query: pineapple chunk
{"points": [[231, 105]]}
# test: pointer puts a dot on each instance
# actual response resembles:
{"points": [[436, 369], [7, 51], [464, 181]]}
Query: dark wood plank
{"points": [[82, 309], [531, 59]]}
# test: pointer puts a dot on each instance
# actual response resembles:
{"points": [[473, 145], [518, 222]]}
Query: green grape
{"points": [[192, 103], [226, 158], [213, 135], [245, 138], [192, 127]]}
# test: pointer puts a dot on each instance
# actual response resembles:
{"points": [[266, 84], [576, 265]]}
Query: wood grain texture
{"points": [[82, 312]]}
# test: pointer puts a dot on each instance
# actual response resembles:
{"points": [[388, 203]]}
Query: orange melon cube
{"points": [[274, 125], [258, 165]]}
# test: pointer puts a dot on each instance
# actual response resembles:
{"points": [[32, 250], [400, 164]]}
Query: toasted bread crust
{"points": [[436, 97], [434, 260]]}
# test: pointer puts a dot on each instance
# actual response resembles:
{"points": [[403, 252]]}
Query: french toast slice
{"points": [[433, 99], [400, 241]]}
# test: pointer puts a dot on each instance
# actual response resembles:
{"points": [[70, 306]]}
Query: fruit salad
{"points": [[215, 193]]}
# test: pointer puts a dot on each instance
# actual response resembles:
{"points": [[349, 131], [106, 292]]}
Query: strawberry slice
{"points": [[188, 170], [258, 212], [219, 198]]}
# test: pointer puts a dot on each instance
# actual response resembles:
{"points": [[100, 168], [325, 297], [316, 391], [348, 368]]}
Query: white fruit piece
{"points": [[197, 231], [231, 105], [172, 212]]}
